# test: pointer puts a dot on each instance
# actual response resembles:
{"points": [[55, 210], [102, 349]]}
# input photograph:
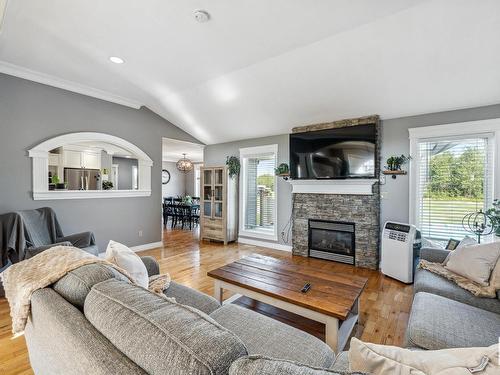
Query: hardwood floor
{"points": [[385, 303]]}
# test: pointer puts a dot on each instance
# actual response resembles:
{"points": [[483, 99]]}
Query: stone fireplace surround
{"points": [[360, 203]]}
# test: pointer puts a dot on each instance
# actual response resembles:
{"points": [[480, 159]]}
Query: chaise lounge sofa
{"points": [[443, 315]]}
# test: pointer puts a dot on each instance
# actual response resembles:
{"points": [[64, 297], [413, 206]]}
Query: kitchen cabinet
{"points": [[91, 160], [54, 159], [81, 159], [72, 159]]}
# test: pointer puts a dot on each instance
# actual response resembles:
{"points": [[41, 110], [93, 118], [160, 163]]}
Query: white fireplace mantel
{"points": [[352, 187]]}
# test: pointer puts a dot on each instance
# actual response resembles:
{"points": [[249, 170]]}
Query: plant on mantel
{"points": [[282, 171], [394, 164]]}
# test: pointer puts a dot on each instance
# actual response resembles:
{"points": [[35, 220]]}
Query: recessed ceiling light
{"points": [[201, 16], [116, 60]]}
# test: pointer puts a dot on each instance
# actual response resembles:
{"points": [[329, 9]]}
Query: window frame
{"points": [[257, 151], [484, 128]]}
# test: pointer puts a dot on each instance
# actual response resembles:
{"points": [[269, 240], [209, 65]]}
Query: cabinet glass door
{"points": [[207, 209], [219, 173], [207, 177], [218, 210], [218, 193]]}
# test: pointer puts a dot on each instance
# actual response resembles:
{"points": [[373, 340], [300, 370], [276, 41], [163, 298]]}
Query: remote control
{"points": [[306, 287]]}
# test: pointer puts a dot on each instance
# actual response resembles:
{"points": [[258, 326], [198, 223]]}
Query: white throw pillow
{"points": [[467, 241], [125, 258], [474, 262], [383, 359]]}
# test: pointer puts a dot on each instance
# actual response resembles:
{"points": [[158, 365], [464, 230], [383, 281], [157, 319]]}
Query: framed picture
{"points": [[452, 244]]}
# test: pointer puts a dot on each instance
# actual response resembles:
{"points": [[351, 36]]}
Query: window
{"points": [[453, 178], [197, 177], [258, 214]]}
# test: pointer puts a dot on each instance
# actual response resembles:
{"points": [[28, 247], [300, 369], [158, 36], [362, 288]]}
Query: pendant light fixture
{"points": [[184, 165]]}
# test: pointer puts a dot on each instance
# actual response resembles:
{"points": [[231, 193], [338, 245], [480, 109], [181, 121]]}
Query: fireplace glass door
{"points": [[332, 240]]}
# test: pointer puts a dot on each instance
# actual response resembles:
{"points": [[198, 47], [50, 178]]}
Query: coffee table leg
{"points": [[217, 291], [332, 333]]}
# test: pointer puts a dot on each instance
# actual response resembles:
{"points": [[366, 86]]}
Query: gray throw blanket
{"points": [[12, 240], [42, 231]]}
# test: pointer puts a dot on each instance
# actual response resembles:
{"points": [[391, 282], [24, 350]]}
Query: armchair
{"points": [[42, 231]]}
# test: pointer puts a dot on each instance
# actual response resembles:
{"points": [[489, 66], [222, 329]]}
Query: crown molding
{"points": [[31, 75]]}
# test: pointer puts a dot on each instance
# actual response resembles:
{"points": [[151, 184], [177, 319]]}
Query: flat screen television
{"points": [[339, 153]]}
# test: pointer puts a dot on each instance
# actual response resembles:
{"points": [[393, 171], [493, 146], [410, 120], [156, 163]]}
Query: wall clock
{"points": [[165, 176]]}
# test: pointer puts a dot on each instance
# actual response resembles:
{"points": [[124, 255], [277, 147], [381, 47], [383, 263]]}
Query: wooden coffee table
{"points": [[332, 300]]}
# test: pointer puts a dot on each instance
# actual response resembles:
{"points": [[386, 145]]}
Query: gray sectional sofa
{"points": [[93, 321], [443, 315]]}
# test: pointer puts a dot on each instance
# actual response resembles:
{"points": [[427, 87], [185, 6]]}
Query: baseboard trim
{"points": [[271, 245], [147, 246]]}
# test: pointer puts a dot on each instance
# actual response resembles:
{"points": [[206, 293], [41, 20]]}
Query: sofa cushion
{"points": [[341, 363], [260, 365], [191, 297], [159, 335], [438, 323], [426, 281], [385, 359], [268, 337], [76, 284]]}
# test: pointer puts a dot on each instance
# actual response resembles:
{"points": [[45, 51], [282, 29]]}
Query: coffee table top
{"points": [[332, 294]]}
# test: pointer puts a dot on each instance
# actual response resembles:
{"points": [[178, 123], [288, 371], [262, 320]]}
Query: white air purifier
{"points": [[399, 247]]}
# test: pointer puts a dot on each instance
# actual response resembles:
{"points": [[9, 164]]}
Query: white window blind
{"points": [[260, 192], [258, 217], [454, 179]]}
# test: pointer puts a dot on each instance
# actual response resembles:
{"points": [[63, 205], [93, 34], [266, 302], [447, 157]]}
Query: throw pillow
{"points": [[383, 359], [467, 241], [125, 258], [474, 262]]}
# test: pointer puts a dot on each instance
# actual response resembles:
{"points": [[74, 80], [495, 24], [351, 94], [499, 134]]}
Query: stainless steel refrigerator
{"points": [[82, 179]]}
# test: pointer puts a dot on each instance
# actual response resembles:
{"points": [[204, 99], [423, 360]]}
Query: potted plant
{"points": [[57, 182], [282, 169], [394, 163], [107, 185], [233, 165], [494, 215]]}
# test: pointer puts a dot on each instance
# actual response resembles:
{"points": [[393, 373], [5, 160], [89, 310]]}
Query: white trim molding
{"points": [[489, 127], [138, 248], [271, 245], [46, 79], [249, 152], [147, 246], [40, 161], [360, 186], [87, 194]]}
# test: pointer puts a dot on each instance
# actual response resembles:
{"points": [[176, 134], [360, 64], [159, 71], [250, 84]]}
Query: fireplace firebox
{"points": [[332, 240]]}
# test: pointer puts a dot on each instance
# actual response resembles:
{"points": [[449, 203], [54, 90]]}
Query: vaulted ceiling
{"points": [[260, 67]]}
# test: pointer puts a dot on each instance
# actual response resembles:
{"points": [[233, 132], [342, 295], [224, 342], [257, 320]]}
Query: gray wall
{"points": [[31, 113], [215, 155], [395, 141], [124, 171], [176, 185]]}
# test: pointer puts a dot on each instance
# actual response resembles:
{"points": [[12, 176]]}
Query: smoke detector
{"points": [[201, 16]]}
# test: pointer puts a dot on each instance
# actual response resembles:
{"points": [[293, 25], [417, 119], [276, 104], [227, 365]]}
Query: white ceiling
{"points": [[173, 150], [260, 67]]}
